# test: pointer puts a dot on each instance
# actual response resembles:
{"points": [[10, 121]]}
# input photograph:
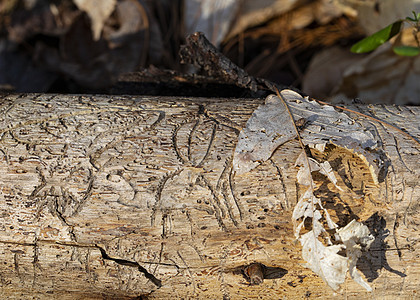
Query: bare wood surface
{"points": [[122, 196]]}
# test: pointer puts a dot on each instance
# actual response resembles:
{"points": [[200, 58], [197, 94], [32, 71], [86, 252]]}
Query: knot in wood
{"points": [[255, 273]]}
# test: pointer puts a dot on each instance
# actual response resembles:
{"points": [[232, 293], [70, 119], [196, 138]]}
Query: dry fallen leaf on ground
{"points": [[98, 12], [325, 71], [381, 77], [212, 17]]}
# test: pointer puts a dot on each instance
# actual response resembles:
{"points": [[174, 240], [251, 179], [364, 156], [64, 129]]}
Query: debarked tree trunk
{"points": [[123, 196]]}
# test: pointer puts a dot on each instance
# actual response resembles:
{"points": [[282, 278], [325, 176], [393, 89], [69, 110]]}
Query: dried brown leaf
{"points": [[98, 12]]}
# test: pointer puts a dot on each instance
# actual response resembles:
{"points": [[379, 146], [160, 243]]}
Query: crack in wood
{"points": [[394, 232], [134, 264]]}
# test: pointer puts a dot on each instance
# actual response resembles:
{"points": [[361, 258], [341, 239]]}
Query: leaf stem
{"points": [[302, 145]]}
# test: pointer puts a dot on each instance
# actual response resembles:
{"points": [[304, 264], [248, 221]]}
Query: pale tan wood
{"points": [[86, 181]]}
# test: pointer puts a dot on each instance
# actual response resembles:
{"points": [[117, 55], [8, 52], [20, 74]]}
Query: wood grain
{"points": [[116, 197]]}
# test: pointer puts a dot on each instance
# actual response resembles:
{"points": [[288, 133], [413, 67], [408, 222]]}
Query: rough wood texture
{"points": [[118, 197]]}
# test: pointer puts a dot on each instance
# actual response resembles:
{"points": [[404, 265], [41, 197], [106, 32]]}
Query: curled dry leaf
{"points": [[324, 260], [324, 168], [265, 131], [331, 266], [307, 202], [354, 236]]}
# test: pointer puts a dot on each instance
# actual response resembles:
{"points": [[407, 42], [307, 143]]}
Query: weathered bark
{"points": [[118, 197]]}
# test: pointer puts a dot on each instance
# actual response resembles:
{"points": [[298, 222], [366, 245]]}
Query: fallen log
{"points": [[133, 196]]}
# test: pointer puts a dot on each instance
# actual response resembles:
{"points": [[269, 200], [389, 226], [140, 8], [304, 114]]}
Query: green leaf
{"points": [[416, 17], [406, 50], [373, 41]]}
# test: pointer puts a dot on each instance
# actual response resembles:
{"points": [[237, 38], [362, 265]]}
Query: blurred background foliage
{"points": [[81, 46]]}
